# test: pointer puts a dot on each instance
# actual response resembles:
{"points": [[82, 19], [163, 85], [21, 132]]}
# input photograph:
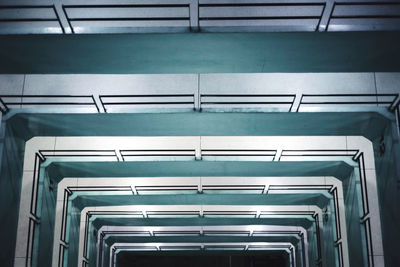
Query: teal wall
{"points": [[10, 186], [388, 171], [201, 53]]}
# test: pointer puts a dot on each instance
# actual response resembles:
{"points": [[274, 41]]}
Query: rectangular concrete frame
{"points": [[203, 89], [200, 183], [115, 248], [198, 144], [231, 228], [197, 208]]}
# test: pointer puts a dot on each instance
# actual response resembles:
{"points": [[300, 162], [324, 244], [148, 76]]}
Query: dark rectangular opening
{"points": [[129, 259]]}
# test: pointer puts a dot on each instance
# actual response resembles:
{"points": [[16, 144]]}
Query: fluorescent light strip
{"points": [[225, 143]]}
